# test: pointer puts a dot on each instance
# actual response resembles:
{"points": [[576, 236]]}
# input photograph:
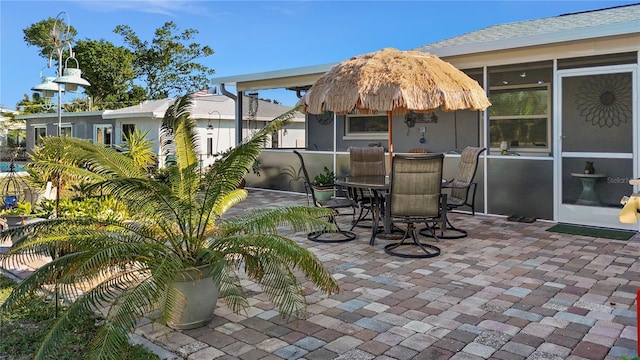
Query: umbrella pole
{"points": [[389, 121]]}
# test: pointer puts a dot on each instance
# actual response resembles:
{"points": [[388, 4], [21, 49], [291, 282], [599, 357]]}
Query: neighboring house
{"points": [[216, 123], [564, 91], [215, 115]]}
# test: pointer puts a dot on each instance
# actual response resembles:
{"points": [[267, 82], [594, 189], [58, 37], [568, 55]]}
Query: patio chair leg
{"points": [[450, 232], [427, 249]]}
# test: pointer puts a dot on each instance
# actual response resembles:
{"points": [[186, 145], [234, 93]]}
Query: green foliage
{"points": [[102, 208], [173, 225], [139, 148], [166, 64], [109, 70], [36, 105], [39, 35], [22, 329], [325, 178], [21, 208]]}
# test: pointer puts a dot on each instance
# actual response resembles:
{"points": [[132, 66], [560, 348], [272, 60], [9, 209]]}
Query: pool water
{"points": [[4, 166]]}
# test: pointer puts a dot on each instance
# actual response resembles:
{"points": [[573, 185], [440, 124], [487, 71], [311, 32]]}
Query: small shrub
{"points": [[325, 178]]}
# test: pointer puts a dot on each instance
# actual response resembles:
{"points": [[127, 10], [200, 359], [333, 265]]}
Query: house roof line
{"points": [[63, 115], [568, 27], [275, 74], [536, 39]]}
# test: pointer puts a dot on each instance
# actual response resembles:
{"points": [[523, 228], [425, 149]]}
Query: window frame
{"points": [[36, 137], [66, 126], [364, 135], [108, 131], [209, 146], [547, 117]]}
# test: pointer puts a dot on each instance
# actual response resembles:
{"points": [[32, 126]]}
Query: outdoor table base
{"points": [[376, 187]]}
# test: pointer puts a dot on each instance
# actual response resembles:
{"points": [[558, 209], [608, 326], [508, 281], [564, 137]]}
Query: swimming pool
{"points": [[4, 166]]}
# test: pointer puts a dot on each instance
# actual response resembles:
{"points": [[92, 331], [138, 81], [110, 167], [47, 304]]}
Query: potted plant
{"points": [[177, 252], [17, 215], [323, 184]]}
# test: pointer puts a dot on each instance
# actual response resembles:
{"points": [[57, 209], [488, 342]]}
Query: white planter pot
{"points": [[197, 295]]}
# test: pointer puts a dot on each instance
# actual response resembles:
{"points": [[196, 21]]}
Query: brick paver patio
{"points": [[507, 291]]}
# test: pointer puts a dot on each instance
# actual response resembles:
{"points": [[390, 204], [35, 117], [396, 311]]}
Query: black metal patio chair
{"points": [[336, 203]]}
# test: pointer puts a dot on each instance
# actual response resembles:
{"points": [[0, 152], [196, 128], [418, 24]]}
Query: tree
{"points": [[109, 70], [36, 105], [123, 76], [166, 65], [174, 226], [40, 36]]}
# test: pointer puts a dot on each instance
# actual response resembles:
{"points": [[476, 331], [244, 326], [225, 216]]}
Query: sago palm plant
{"points": [[177, 225]]}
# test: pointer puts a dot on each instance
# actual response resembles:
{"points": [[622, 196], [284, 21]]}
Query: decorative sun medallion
{"points": [[605, 100]]}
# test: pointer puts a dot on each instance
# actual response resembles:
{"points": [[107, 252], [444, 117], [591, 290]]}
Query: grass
{"points": [[21, 331]]}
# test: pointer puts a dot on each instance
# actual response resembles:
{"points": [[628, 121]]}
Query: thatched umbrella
{"points": [[395, 82]]}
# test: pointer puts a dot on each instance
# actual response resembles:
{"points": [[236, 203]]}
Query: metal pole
{"points": [[60, 92]]}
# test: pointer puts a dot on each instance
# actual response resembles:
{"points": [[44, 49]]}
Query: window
{"points": [[65, 130], [127, 129], [519, 117], [366, 127], [39, 133], [102, 134], [209, 146]]}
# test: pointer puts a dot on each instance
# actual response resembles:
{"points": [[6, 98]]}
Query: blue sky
{"points": [[257, 36]]}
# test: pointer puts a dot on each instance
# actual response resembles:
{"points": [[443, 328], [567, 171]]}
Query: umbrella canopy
{"points": [[394, 82]]}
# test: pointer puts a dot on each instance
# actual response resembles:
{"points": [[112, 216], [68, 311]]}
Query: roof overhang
{"points": [[301, 77], [55, 115], [144, 115]]}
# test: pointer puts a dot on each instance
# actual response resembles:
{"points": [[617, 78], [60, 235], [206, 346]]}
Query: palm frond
{"points": [[298, 218], [178, 130], [279, 249]]}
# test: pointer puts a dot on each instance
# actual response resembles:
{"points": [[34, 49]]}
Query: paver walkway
{"points": [[507, 291]]}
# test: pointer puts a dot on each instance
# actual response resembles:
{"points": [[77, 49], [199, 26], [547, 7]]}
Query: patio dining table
{"points": [[378, 187]]}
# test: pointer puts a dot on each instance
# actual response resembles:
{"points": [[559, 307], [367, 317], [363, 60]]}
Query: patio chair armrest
{"points": [[458, 185]]}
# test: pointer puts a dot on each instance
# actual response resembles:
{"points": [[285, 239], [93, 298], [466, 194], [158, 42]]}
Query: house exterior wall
{"points": [[525, 183], [81, 125]]}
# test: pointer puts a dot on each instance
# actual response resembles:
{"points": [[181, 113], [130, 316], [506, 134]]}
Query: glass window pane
{"points": [[40, 132], [519, 117], [512, 102], [367, 124], [519, 132], [65, 131]]}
